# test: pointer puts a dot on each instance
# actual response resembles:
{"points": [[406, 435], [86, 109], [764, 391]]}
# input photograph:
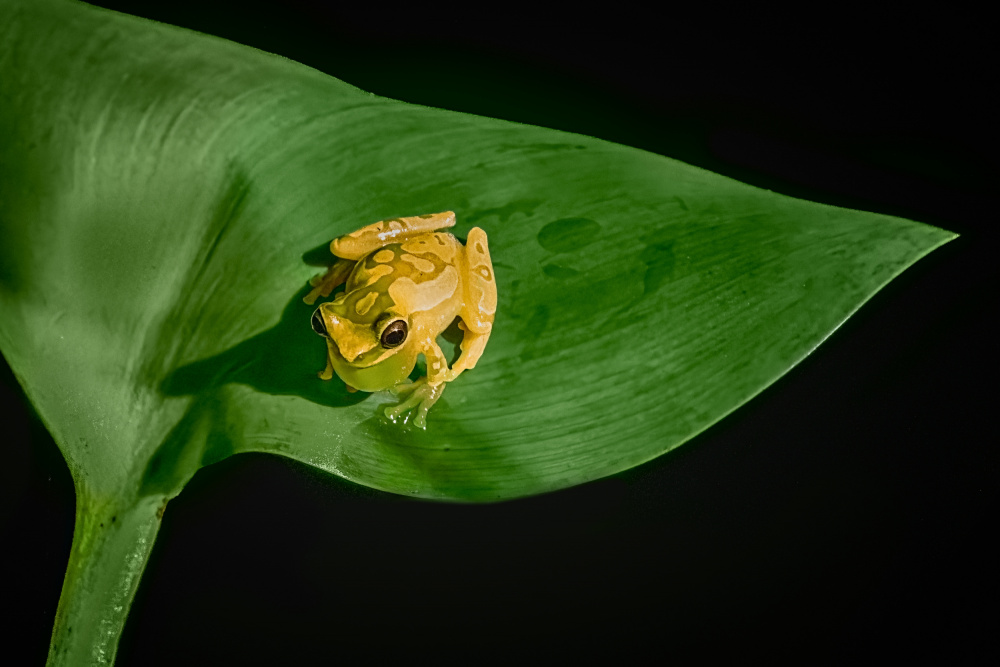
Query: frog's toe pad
{"points": [[422, 398]]}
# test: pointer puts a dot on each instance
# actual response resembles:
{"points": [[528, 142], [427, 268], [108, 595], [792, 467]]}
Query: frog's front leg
{"points": [[422, 396], [324, 283], [426, 391]]}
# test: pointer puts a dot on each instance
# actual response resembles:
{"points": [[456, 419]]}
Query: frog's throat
{"points": [[375, 377]]}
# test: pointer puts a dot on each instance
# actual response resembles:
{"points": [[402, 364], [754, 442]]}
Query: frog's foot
{"points": [[422, 396], [326, 373], [323, 284]]}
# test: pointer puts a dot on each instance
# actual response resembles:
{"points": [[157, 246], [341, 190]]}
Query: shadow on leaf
{"points": [[284, 360]]}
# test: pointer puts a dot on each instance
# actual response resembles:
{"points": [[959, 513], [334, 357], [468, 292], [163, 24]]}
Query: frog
{"points": [[406, 280]]}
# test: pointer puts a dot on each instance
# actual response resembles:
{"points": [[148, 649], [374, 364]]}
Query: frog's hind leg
{"points": [[380, 234], [324, 283], [480, 305], [472, 346]]}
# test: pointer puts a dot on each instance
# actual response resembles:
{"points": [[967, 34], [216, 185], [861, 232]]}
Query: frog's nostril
{"points": [[317, 323]]}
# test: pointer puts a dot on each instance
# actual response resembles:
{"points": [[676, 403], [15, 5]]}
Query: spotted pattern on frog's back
{"points": [[365, 303], [419, 263], [441, 246], [418, 273], [424, 295]]}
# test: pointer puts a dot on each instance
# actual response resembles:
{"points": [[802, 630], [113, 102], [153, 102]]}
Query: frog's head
{"points": [[370, 347]]}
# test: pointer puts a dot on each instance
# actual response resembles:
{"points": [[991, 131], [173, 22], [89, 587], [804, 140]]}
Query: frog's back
{"points": [[416, 275], [420, 259]]}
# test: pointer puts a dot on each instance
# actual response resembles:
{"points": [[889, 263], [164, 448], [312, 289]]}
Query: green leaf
{"points": [[164, 197]]}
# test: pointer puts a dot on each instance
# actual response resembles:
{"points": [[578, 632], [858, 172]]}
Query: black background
{"points": [[848, 511]]}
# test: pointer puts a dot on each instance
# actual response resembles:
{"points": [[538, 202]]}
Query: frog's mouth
{"points": [[363, 360]]}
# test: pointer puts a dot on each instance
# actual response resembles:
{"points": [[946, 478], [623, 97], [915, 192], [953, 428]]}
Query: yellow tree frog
{"points": [[406, 283]]}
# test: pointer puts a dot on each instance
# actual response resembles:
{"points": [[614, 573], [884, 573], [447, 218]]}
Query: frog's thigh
{"points": [[368, 239], [480, 305], [473, 345]]}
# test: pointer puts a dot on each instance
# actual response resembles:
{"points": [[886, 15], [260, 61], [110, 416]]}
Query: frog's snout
{"points": [[317, 323]]}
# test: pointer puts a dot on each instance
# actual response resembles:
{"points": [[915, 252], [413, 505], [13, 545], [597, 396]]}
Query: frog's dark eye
{"points": [[394, 334], [317, 323]]}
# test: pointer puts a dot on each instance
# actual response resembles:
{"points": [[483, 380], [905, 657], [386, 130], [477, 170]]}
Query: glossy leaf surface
{"points": [[164, 197]]}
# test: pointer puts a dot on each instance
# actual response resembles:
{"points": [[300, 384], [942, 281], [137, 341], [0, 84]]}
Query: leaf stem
{"points": [[111, 545]]}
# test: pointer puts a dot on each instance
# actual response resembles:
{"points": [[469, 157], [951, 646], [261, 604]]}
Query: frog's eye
{"points": [[394, 334], [317, 323]]}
